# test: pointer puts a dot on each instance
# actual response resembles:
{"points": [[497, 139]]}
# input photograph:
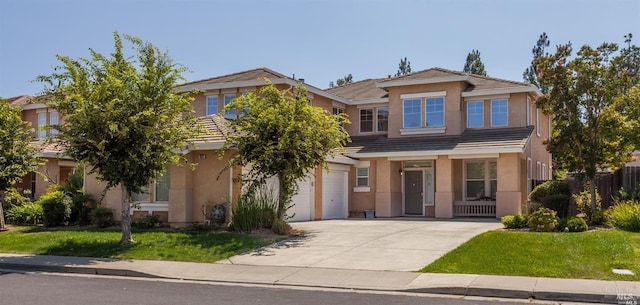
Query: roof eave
{"points": [[435, 153], [424, 81], [506, 90]]}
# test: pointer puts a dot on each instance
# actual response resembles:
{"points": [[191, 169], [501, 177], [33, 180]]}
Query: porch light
{"points": [[400, 171]]}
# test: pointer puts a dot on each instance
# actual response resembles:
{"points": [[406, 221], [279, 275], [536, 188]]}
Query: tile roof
{"points": [[217, 128], [48, 147], [514, 137], [248, 75], [19, 100], [481, 82], [360, 90]]}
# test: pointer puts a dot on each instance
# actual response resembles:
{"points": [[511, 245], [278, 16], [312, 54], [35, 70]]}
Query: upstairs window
{"points": [[434, 108], [231, 113], [475, 114], [383, 119], [337, 110], [411, 113], [53, 120], [499, 113], [42, 122], [366, 120], [212, 104]]}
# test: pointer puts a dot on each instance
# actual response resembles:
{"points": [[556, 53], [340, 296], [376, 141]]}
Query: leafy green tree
{"points": [[281, 134], [590, 119], [17, 156], [531, 74], [404, 67], [122, 116], [348, 79], [474, 64]]}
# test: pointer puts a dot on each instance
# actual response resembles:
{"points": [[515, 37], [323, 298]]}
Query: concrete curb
{"points": [[450, 290]]}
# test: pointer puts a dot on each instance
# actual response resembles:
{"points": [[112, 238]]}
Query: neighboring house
{"points": [[57, 167], [434, 143], [441, 143], [635, 159]]}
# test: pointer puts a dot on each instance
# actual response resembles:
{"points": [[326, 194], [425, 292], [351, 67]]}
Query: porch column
{"points": [[181, 195], [444, 187], [509, 192], [384, 204]]}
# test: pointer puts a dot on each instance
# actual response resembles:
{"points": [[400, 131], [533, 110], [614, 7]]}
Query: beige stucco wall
{"points": [[360, 201], [508, 193]]}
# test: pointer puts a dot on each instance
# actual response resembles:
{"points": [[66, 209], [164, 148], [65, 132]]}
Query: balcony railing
{"points": [[474, 208]]}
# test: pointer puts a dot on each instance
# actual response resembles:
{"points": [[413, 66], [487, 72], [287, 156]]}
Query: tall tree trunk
{"points": [[2, 224], [592, 190], [282, 195], [125, 219]]}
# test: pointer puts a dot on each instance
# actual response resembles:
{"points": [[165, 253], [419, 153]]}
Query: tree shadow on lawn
{"points": [[99, 248]]}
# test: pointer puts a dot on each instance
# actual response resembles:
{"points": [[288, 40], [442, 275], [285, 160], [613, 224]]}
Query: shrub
{"points": [[583, 203], [625, 215], [514, 221], [149, 222], [13, 196], [624, 194], [548, 188], [255, 210], [56, 207], [81, 208], [102, 217], [281, 227], [573, 224], [557, 202], [26, 214], [543, 220]]}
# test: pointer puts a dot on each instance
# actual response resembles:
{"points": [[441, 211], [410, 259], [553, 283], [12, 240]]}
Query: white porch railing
{"points": [[474, 208], [149, 207]]}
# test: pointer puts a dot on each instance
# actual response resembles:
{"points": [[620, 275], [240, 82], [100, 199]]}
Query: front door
{"points": [[413, 192]]}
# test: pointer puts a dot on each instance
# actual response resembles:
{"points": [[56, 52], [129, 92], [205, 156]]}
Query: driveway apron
{"points": [[396, 244]]}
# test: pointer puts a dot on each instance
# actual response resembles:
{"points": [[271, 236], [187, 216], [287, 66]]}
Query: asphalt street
{"points": [[37, 289]]}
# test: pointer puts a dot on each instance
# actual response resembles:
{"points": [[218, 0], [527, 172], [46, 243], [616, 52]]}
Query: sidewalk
{"points": [[575, 290]]}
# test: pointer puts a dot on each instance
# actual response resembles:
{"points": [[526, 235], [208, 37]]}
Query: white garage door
{"points": [[302, 202], [334, 194]]}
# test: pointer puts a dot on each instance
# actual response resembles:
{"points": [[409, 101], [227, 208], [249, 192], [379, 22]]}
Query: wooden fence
{"points": [[608, 184]]}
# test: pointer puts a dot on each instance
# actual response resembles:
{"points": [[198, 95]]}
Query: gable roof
{"points": [[20, 100], [477, 84], [361, 90], [251, 78], [472, 141]]}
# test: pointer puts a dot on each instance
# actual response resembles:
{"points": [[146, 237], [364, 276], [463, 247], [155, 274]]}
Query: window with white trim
{"points": [[538, 170], [337, 110], [434, 109], [499, 113], [538, 122], [411, 113], [42, 122], [544, 171], [366, 120], [160, 187], [481, 179], [362, 176], [529, 175], [475, 114], [53, 121], [231, 113], [528, 111], [382, 117], [212, 104]]}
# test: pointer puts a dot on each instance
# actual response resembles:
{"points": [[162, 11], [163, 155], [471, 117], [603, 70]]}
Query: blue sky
{"points": [[319, 41]]}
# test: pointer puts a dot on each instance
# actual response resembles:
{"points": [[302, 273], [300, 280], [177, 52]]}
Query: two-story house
{"points": [[57, 167], [444, 144], [435, 143]]}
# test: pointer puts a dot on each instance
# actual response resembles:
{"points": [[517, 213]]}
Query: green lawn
{"points": [[205, 247], [588, 255]]}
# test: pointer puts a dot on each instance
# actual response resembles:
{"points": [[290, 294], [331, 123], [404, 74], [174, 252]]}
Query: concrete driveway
{"points": [[398, 244]]}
